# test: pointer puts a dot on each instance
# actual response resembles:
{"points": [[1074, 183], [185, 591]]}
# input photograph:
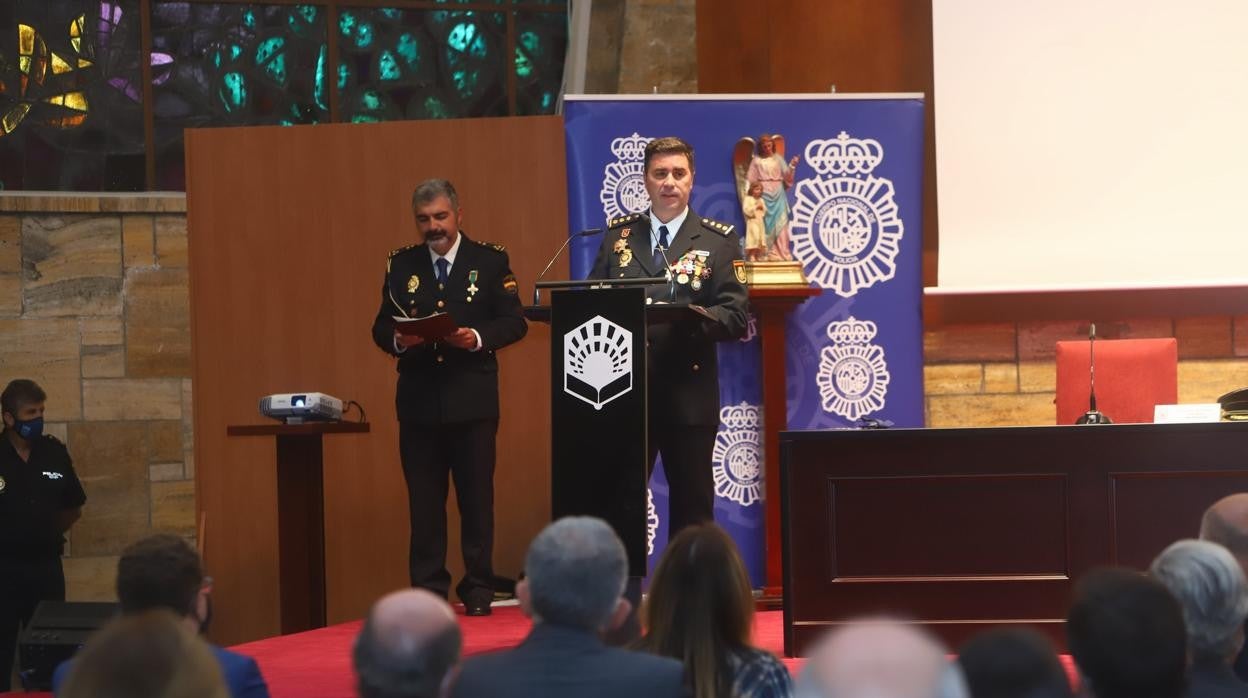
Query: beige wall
{"points": [[93, 306]]}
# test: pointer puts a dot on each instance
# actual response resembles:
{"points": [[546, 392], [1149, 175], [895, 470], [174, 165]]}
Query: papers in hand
{"points": [[430, 327]]}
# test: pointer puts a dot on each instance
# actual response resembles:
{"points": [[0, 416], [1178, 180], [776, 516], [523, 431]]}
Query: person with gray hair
{"points": [[446, 399], [882, 658], [1226, 523], [1210, 587], [576, 571], [408, 647]]}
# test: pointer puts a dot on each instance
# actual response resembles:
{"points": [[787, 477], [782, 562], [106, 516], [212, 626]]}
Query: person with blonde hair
{"points": [[701, 610], [148, 655]]}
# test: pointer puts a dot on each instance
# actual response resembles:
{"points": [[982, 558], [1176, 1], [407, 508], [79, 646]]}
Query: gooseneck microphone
{"points": [[537, 292], [1093, 415], [667, 273]]}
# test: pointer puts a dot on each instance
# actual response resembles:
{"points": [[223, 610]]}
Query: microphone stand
{"points": [[537, 292], [1093, 415], [667, 272]]}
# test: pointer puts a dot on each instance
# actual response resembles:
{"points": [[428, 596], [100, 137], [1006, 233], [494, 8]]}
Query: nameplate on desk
{"points": [[1187, 414]]}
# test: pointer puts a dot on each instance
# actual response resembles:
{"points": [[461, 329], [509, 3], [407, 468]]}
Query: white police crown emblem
{"points": [[853, 376], [624, 181], [737, 461], [846, 226]]}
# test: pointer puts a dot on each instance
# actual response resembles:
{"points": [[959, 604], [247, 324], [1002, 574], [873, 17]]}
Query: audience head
{"points": [[1226, 523], [21, 408], [145, 655], [700, 606], [1210, 587], [408, 646], [575, 573], [162, 572], [883, 659], [1013, 663], [1125, 632]]}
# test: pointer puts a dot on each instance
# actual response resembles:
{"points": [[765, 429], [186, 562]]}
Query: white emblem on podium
{"points": [[624, 181], [846, 227], [853, 376], [737, 458], [597, 361]]}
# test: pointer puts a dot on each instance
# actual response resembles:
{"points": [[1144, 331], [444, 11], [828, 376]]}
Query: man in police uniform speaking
{"points": [[704, 258], [447, 396], [40, 498]]}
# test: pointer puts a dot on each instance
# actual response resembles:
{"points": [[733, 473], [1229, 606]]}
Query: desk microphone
{"points": [[1093, 415], [537, 293]]}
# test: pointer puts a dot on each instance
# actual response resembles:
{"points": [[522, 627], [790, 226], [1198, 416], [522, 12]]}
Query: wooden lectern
{"points": [[771, 305], [300, 516]]}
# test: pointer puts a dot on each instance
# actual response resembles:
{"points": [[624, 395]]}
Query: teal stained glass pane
{"points": [[231, 65], [426, 64], [541, 45]]}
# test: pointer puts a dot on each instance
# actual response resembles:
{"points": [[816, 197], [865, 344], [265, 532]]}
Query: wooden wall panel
{"points": [[810, 45], [964, 529], [289, 230]]}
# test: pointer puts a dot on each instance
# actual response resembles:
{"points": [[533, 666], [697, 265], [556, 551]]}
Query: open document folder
{"points": [[431, 327]]}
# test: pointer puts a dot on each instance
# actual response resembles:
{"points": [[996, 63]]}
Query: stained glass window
{"points": [[541, 45], [71, 111], [233, 65], [420, 64], [73, 100]]}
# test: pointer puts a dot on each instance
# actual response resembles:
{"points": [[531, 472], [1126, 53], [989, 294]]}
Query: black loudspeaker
{"points": [[56, 631]]}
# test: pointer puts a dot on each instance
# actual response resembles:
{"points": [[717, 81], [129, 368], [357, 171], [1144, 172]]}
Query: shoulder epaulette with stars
{"points": [[402, 249], [624, 220], [492, 245], [721, 228]]}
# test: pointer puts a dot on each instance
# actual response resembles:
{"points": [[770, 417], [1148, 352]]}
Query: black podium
{"points": [[599, 399]]}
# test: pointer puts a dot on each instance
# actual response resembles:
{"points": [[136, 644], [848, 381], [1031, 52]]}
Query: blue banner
{"points": [[834, 182]]}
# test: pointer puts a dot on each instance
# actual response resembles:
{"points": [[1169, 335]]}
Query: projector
{"points": [[297, 408]]}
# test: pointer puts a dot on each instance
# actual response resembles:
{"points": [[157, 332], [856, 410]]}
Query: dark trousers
{"points": [[430, 454], [23, 584], [687, 452]]}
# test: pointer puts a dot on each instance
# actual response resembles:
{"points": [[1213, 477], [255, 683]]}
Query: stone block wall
{"points": [[1004, 374], [94, 305]]}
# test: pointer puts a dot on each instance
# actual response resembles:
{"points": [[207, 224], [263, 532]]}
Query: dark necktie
{"points": [[661, 249], [442, 264]]}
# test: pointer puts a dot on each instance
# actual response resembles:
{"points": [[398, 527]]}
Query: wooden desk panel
{"points": [[962, 529]]}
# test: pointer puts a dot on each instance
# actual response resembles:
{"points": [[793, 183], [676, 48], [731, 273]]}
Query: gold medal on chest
{"points": [[413, 283]]}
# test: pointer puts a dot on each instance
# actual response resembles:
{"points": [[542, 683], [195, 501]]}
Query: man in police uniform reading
{"points": [[40, 498], [703, 257], [447, 395]]}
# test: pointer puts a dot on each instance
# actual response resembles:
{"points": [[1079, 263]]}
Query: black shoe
{"points": [[477, 602]]}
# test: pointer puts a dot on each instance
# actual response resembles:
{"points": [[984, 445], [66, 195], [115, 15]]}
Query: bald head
{"points": [[880, 658], [407, 646], [1226, 523]]}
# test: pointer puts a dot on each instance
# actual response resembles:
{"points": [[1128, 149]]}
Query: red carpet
{"points": [[317, 664]]}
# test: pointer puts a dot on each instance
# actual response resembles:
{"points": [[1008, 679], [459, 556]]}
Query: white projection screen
{"points": [[1091, 144]]}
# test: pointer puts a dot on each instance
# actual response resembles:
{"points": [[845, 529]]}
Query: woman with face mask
{"points": [[40, 498]]}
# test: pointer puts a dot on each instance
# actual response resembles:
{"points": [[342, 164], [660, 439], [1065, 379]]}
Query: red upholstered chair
{"points": [[1132, 376]]}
